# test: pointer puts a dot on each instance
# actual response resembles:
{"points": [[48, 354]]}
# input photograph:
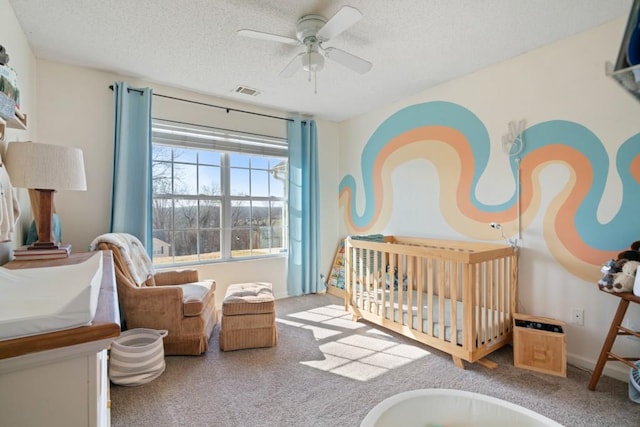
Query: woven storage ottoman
{"points": [[248, 317]]}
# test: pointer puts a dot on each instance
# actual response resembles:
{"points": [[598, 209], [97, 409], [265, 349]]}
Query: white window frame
{"points": [[225, 142]]}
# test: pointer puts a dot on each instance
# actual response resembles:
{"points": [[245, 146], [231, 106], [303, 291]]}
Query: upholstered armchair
{"points": [[176, 301]]}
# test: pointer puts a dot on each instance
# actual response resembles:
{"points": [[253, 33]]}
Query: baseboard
{"points": [[616, 370], [284, 294]]}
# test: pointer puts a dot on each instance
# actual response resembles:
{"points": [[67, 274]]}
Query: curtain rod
{"points": [[227, 109]]}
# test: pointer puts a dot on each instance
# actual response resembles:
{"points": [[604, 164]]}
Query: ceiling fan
{"points": [[312, 31]]}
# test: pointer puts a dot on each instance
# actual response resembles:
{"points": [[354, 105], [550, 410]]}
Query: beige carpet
{"points": [[329, 371]]}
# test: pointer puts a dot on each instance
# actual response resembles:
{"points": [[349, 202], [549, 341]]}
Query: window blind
{"points": [[204, 137]]}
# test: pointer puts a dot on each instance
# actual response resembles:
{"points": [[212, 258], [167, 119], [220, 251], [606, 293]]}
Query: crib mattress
{"points": [[40, 300], [376, 299]]}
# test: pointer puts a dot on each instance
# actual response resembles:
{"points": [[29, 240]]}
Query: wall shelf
{"points": [[626, 77], [625, 73], [19, 121]]}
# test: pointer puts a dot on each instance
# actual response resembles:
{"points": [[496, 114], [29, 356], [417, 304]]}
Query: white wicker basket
{"points": [[634, 383], [137, 357]]}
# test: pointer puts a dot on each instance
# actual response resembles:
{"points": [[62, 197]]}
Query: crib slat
{"points": [[397, 276], [419, 280], [468, 326], [454, 302], [500, 279], [366, 278], [477, 329], [362, 279], [409, 281], [384, 290], [389, 285], [486, 300], [348, 298], [442, 275], [376, 279], [430, 288], [489, 331]]}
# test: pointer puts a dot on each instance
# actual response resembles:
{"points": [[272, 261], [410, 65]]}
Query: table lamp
{"points": [[45, 168]]}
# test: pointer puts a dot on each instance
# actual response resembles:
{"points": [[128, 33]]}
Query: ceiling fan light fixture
{"points": [[312, 61], [311, 32]]}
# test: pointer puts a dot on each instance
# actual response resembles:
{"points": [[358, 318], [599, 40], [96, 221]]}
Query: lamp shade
{"points": [[45, 166]]}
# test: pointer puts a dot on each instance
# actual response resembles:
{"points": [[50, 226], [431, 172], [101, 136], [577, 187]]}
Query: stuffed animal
{"points": [[607, 270], [612, 269], [629, 255], [624, 280]]}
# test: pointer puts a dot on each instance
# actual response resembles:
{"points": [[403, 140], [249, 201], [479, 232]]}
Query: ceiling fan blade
{"points": [[268, 36], [353, 62], [294, 65], [343, 19]]}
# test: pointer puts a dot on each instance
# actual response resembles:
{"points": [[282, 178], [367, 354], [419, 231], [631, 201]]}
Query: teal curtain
{"points": [[131, 198], [304, 245]]}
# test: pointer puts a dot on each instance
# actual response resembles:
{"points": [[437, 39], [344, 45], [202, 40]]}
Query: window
{"points": [[217, 194]]}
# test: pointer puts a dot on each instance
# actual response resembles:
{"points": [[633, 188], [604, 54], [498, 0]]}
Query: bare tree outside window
{"points": [[189, 223]]}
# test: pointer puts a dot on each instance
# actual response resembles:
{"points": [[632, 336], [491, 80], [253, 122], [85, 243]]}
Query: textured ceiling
{"points": [[192, 44]]}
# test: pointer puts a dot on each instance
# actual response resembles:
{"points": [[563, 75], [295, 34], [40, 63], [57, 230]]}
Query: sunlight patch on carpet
{"points": [[329, 363], [311, 317], [345, 323], [359, 371], [361, 354], [371, 343], [289, 322], [379, 333]]}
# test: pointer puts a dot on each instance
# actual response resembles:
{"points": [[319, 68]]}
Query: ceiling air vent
{"points": [[246, 90]]}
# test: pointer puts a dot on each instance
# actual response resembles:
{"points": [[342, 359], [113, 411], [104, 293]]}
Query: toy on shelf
{"points": [[620, 274]]}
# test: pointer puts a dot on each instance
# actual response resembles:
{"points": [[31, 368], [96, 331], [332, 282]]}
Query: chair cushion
{"points": [[248, 298], [195, 296]]}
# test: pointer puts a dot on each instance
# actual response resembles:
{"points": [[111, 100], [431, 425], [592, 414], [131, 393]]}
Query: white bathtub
{"points": [[450, 408], [39, 300]]}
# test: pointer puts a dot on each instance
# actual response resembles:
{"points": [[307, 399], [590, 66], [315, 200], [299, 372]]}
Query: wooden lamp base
{"points": [[44, 221]]}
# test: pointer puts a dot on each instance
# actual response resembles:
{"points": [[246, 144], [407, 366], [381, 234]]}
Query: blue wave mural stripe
{"points": [[620, 230], [436, 113]]}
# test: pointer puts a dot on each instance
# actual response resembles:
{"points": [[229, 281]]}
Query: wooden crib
{"points": [[458, 297]]}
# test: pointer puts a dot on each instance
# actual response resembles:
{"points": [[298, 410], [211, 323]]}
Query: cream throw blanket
{"points": [[133, 253]]}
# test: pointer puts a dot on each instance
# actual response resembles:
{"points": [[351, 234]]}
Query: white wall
{"points": [[75, 106], [563, 81], [21, 59]]}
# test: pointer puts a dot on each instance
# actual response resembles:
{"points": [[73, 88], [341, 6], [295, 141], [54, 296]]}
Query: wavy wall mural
{"points": [[457, 143]]}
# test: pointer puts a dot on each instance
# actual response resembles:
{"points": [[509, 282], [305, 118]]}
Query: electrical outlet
{"points": [[577, 316]]}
